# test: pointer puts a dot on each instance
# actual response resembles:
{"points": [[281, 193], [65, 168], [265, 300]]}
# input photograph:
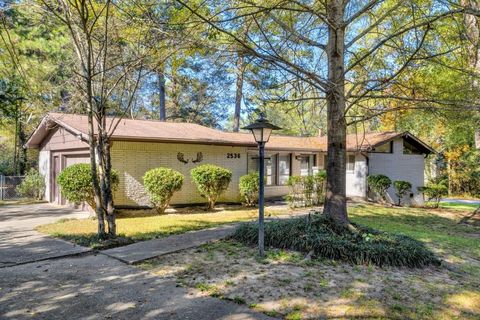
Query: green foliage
{"points": [[434, 192], [32, 186], [75, 183], [464, 172], [308, 184], [319, 179], [379, 184], [161, 184], [402, 188], [211, 182], [316, 233], [307, 190], [249, 185]]}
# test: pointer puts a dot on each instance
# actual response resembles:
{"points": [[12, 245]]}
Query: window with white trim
{"points": [[277, 168], [283, 169]]}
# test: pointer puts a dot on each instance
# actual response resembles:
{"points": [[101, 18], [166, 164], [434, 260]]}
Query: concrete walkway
{"points": [[140, 251], [20, 243], [144, 250], [91, 286]]}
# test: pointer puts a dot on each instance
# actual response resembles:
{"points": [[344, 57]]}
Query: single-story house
{"points": [[140, 145]]}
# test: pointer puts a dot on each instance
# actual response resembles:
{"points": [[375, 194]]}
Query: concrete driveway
{"points": [[20, 243], [461, 201], [41, 279]]}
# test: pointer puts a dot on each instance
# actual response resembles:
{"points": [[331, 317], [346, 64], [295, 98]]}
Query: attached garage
{"points": [[61, 147]]}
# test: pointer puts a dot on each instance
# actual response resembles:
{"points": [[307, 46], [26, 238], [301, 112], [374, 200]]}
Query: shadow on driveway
{"points": [[98, 287], [20, 243]]}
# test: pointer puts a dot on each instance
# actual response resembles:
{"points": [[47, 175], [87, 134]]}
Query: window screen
{"points": [[283, 169], [270, 170]]}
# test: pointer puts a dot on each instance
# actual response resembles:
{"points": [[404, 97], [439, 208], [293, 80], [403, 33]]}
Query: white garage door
{"points": [[71, 160], [68, 161]]}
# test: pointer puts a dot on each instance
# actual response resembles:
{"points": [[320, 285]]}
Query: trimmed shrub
{"points": [[308, 184], [160, 185], [320, 177], [402, 188], [315, 234], [307, 190], [32, 186], [295, 196], [379, 184], [76, 186], [434, 192], [211, 182], [249, 185]]}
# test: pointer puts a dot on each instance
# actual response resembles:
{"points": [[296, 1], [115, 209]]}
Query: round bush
{"points": [[211, 182], [76, 186], [160, 185], [249, 185], [402, 188], [32, 186], [379, 184], [434, 192], [316, 234]]}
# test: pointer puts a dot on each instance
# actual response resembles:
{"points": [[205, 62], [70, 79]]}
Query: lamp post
{"points": [[261, 130]]}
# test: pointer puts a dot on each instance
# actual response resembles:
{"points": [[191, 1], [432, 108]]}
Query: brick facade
{"points": [[133, 159]]}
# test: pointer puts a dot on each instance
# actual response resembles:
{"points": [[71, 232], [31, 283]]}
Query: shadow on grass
{"points": [[139, 213], [437, 231], [93, 241]]}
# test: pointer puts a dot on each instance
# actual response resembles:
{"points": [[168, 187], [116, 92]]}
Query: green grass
{"points": [[439, 228], [337, 290], [141, 225], [459, 206]]}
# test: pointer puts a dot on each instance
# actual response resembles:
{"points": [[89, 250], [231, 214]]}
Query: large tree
{"points": [[350, 52], [110, 53]]}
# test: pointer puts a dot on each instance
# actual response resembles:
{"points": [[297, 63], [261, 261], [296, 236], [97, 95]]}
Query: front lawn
{"points": [[288, 285], [140, 225]]}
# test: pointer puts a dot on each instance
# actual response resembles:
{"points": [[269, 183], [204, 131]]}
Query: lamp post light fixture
{"points": [[261, 130]]}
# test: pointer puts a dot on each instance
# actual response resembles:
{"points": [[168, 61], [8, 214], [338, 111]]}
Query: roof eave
{"points": [[42, 131]]}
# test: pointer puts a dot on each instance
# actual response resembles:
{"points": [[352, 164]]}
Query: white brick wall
{"points": [[399, 166], [133, 159]]}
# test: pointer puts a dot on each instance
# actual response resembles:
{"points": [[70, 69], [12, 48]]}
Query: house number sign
{"points": [[233, 155]]}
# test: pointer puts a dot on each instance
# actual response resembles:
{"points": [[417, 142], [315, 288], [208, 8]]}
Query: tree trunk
{"points": [[239, 92], [335, 199], [95, 183], [108, 196], [472, 31], [161, 95], [15, 143], [175, 96], [22, 157]]}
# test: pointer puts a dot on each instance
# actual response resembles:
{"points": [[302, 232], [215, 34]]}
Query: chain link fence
{"points": [[8, 187]]}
